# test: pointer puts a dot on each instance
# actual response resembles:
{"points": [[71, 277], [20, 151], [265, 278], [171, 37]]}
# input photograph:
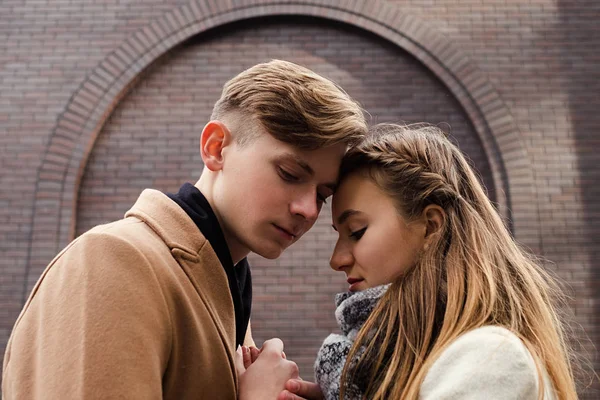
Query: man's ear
{"points": [[215, 137], [434, 217]]}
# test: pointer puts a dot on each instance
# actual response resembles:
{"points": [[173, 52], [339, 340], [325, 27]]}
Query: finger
{"points": [[285, 395], [274, 345], [305, 389], [239, 361], [293, 368], [247, 358], [254, 352]]}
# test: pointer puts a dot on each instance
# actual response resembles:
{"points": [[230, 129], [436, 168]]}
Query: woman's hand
{"points": [[267, 372], [298, 389]]}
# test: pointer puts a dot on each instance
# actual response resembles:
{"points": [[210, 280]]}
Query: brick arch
{"points": [[78, 126]]}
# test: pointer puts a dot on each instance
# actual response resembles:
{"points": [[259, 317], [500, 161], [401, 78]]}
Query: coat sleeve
{"points": [[96, 326], [486, 363]]}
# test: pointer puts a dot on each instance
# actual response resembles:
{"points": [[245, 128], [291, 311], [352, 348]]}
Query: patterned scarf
{"points": [[353, 309]]}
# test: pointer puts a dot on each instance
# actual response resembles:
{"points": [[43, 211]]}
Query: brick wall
{"points": [[152, 140], [539, 56]]}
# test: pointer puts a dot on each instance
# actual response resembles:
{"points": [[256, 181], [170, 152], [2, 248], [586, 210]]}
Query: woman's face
{"points": [[375, 243]]}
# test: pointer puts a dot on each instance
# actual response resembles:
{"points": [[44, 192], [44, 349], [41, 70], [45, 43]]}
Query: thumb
{"points": [[239, 361]]}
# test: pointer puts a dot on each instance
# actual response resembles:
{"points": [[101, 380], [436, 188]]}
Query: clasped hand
{"points": [[268, 374]]}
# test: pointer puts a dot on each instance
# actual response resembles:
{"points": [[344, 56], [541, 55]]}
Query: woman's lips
{"points": [[353, 282]]}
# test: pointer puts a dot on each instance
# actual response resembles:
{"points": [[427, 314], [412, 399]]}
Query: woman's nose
{"points": [[341, 257]]}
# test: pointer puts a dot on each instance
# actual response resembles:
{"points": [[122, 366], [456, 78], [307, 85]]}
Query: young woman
{"points": [[442, 303]]}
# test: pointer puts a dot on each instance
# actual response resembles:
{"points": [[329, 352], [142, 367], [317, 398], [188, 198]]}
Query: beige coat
{"points": [[135, 309]]}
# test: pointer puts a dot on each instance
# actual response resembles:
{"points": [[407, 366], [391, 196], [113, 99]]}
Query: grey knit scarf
{"points": [[353, 309]]}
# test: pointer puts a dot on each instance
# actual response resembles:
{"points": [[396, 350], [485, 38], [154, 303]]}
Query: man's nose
{"points": [[306, 206]]}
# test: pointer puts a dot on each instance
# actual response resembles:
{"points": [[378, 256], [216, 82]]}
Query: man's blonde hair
{"points": [[294, 104]]}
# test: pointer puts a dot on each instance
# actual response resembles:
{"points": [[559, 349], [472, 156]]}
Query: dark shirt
{"points": [[193, 202]]}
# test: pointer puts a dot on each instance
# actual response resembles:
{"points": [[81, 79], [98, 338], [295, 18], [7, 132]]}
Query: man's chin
{"points": [[270, 253]]}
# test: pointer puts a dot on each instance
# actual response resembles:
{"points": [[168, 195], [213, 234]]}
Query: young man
{"points": [[155, 305]]}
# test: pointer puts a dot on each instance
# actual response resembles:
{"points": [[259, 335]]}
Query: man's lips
{"points": [[291, 234]]}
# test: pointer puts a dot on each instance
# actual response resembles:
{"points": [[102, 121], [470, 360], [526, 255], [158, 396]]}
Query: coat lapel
{"points": [[195, 256]]}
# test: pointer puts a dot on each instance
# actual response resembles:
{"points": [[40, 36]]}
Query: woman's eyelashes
{"points": [[356, 235], [321, 198]]}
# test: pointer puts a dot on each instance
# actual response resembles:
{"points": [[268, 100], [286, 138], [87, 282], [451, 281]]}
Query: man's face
{"points": [[270, 193]]}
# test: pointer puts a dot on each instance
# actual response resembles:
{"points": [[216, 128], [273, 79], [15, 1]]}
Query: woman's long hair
{"points": [[472, 274]]}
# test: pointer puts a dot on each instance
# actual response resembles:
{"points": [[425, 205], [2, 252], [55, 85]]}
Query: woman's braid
{"points": [[406, 166]]}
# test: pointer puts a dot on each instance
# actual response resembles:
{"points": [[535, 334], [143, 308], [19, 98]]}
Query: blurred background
{"points": [[100, 99]]}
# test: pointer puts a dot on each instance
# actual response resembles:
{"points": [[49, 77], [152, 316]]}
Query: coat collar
{"points": [[169, 221], [194, 254]]}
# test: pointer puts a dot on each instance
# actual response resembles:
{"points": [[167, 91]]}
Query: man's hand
{"points": [[266, 376], [297, 389], [250, 354]]}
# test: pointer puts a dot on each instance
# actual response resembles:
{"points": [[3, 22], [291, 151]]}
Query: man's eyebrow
{"points": [[345, 215], [301, 163]]}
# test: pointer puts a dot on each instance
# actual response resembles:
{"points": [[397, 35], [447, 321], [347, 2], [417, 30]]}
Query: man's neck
{"points": [[206, 185]]}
